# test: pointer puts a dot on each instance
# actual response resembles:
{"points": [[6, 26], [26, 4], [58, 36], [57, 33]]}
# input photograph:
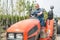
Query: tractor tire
{"points": [[58, 29], [55, 33]]}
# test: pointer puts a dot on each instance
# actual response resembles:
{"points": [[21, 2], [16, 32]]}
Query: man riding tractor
{"points": [[38, 13], [32, 29]]}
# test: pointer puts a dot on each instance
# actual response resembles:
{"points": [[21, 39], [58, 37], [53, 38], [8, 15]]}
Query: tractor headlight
{"points": [[19, 36], [11, 36], [15, 36]]}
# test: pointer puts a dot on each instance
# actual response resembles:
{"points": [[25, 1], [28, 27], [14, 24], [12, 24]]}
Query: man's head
{"points": [[36, 6]]}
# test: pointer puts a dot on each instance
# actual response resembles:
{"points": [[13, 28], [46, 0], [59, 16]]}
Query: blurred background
{"points": [[12, 11]]}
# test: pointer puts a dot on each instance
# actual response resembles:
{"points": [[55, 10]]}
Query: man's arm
{"points": [[33, 14], [39, 13]]}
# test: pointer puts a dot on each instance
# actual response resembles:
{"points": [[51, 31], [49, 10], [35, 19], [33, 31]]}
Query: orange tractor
{"points": [[29, 29]]}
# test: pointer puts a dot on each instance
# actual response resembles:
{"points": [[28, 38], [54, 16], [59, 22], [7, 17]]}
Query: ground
{"points": [[58, 36]]}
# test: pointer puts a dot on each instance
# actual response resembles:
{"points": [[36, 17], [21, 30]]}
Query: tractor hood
{"points": [[23, 25]]}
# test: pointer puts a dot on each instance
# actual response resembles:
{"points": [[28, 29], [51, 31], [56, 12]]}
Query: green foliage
{"points": [[9, 19], [20, 5], [45, 15], [24, 5]]}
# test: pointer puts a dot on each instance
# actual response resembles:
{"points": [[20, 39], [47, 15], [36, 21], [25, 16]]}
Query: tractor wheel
{"points": [[55, 33]]}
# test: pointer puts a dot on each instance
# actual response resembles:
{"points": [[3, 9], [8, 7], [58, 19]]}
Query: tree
{"points": [[1, 9], [24, 5], [29, 7]]}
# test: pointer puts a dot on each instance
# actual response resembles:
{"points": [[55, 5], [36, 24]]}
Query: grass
{"points": [[1, 29]]}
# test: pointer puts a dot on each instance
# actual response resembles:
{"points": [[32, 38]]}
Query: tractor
{"points": [[30, 29]]}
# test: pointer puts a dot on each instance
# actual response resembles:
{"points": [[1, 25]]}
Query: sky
{"points": [[43, 4]]}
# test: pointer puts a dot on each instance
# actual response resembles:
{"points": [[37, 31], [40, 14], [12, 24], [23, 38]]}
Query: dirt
{"points": [[3, 36], [59, 22], [58, 36]]}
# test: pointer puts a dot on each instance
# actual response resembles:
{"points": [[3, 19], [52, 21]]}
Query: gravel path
{"points": [[58, 36], [3, 36]]}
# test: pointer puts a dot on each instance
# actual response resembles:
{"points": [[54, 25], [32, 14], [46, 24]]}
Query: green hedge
{"points": [[9, 19]]}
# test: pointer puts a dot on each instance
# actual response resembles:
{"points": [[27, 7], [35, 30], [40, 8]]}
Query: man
{"points": [[39, 14]]}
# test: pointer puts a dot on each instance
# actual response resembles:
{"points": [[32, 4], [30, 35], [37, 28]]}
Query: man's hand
{"points": [[32, 16], [39, 14]]}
